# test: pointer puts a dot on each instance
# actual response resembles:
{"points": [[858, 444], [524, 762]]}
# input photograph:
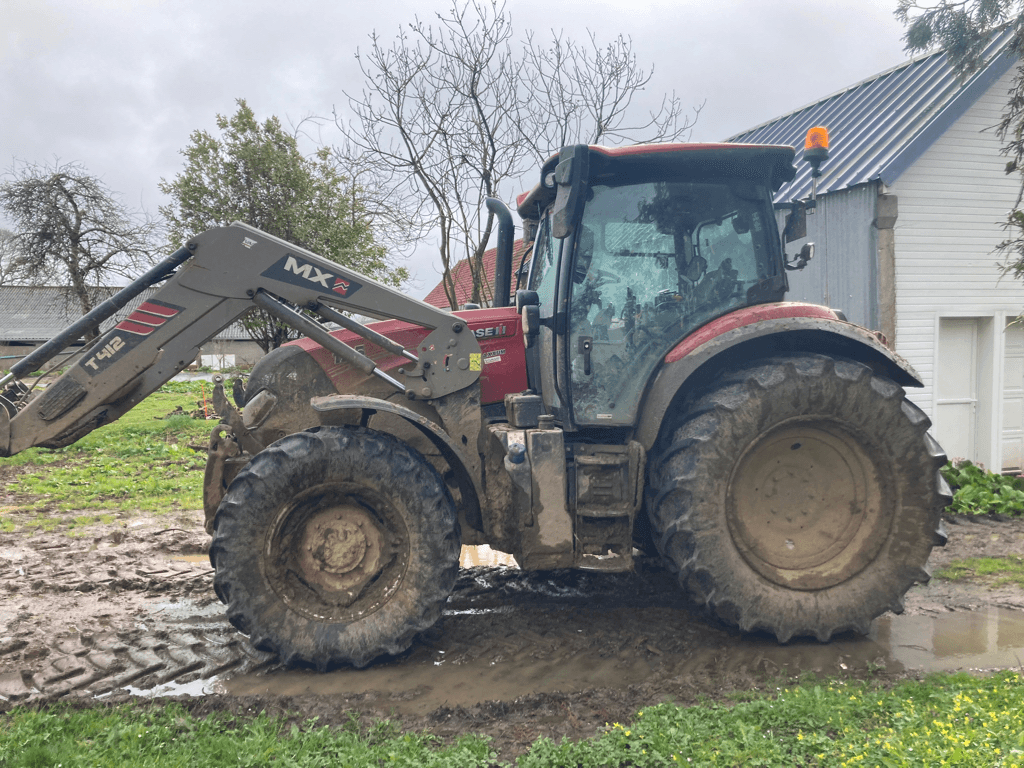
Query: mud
{"points": [[128, 609]]}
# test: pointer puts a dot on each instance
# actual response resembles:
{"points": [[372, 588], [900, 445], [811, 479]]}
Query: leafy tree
{"points": [[254, 172], [68, 228], [456, 111], [963, 28]]}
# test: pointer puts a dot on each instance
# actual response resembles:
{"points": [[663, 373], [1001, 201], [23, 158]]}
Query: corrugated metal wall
{"points": [[844, 271]]}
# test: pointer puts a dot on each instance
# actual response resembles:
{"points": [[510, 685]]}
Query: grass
{"points": [[169, 736], [143, 461], [998, 571], [945, 720]]}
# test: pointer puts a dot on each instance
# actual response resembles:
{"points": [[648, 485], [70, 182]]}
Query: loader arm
{"points": [[219, 276]]}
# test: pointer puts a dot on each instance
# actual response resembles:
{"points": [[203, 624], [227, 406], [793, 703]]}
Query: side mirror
{"points": [[571, 176], [805, 255], [526, 298]]}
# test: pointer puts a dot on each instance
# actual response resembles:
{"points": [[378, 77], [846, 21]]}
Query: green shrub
{"points": [[977, 491]]}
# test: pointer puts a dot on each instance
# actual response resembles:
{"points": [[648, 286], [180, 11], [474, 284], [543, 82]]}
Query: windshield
{"points": [[653, 262]]}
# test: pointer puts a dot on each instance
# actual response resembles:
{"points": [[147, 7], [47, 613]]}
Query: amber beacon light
{"points": [[816, 147]]}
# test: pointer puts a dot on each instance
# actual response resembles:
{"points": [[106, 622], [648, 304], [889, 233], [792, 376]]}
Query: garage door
{"points": [[1013, 397], [956, 387]]}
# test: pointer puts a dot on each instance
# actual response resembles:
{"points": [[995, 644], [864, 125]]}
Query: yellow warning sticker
{"points": [[474, 361]]}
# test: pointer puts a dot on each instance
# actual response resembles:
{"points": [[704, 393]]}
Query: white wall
{"points": [[952, 202]]}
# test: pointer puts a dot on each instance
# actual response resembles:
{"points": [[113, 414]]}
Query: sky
{"points": [[119, 85]]}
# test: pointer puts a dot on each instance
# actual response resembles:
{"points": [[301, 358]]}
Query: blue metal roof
{"points": [[879, 127]]}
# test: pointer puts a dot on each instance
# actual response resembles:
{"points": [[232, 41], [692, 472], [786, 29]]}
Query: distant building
{"points": [[463, 278], [30, 316], [909, 213]]}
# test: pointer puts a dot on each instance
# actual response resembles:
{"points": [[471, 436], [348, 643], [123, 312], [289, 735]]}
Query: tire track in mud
{"points": [[92, 665], [82, 617]]}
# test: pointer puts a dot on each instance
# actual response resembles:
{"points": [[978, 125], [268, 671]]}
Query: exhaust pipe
{"points": [[503, 261]]}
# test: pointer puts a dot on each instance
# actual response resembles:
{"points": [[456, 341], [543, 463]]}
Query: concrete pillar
{"points": [[887, 211]]}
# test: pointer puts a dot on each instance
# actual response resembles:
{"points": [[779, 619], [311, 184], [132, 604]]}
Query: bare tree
{"points": [[8, 249], [455, 112], [70, 229], [583, 93], [387, 207]]}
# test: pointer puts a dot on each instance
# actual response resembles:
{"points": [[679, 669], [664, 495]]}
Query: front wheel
{"points": [[800, 496], [335, 545]]}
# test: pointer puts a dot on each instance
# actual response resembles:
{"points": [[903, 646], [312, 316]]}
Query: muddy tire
{"points": [[334, 546], [799, 496]]}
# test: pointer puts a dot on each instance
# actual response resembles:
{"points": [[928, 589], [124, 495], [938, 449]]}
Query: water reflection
{"points": [[987, 638]]}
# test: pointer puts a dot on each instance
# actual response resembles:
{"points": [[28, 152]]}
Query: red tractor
{"points": [[649, 390]]}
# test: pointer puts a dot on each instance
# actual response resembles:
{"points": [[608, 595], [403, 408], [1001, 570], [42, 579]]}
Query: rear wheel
{"points": [[801, 496], [335, 546]]}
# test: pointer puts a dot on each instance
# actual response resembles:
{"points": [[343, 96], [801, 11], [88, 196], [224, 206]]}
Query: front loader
{"points": [[649, 390]]}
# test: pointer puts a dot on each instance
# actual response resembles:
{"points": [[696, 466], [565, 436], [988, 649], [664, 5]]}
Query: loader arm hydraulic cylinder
{"points": [[221, 275]]}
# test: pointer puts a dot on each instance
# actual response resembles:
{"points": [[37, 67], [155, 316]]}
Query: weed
{"points": [[979, 492]]}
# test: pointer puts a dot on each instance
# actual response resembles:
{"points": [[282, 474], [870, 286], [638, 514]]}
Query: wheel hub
{"points": [[340, 552], [806, 506]]}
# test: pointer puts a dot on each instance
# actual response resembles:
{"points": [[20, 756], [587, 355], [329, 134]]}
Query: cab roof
{"points": [[765, 163]]}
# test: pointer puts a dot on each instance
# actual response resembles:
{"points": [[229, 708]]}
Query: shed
{"points": [[31, 315], [908, 218]]}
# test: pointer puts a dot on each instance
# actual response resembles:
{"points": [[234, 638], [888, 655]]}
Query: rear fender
{"points": [[358, 409], [697, 361]]}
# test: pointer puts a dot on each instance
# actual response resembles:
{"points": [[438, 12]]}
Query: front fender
{"points": [[756, 332], [331, 407]]}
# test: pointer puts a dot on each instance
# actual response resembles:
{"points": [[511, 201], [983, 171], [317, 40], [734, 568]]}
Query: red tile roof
{"points": [[463, 277]]}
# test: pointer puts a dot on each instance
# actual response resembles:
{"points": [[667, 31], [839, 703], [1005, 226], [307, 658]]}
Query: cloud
{"points": [[119, 85]]}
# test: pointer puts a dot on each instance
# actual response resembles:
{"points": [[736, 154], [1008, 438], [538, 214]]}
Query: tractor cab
{"points": [[635, 249]]}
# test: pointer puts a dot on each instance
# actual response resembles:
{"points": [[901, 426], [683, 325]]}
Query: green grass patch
{"points": [[143, 461], [999, 570], [945, 720], [977, 491], [952, 720], [169, 736]]}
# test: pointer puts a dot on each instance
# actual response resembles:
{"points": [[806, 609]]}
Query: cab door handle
{"points": [[585, 344]]}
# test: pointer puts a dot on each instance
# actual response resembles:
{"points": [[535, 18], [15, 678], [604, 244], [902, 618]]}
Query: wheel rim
{"points": [[336, 553], [807, 507]]}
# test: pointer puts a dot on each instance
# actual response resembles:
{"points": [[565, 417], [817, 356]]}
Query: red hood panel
{"points": [[498, 331]]}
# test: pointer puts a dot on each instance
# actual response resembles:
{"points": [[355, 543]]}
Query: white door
{"points": [[956, 387], [1013, 397]]}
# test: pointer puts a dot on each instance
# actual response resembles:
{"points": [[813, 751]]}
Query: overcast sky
{"points": [[118, 85]]}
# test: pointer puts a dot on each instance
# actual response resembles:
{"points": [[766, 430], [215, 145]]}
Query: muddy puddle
{"points": [[429, 678], [508, 634], [988, 638], [135, 611]]}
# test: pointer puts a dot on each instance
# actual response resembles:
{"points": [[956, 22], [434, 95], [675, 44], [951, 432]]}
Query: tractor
{"points": [[638, 386]]}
